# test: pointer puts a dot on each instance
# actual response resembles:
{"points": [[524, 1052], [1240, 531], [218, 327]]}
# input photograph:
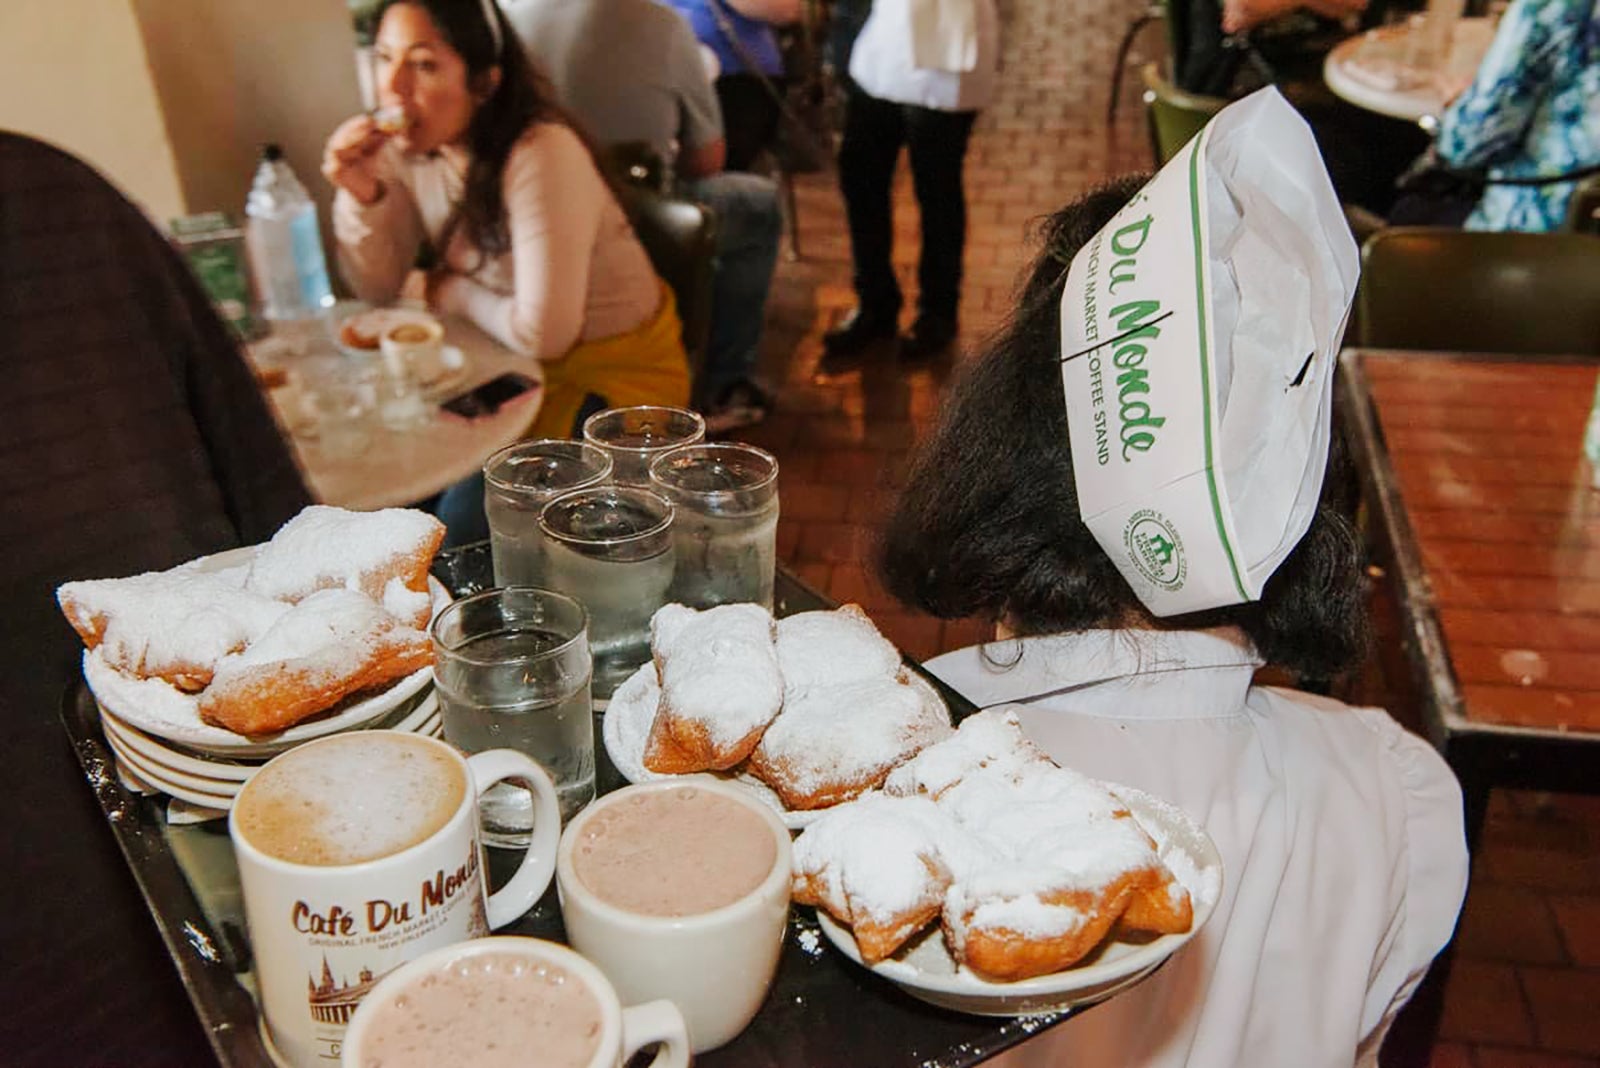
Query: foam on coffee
{"points": [[349, 799], [677, 852], [492, 1010]]}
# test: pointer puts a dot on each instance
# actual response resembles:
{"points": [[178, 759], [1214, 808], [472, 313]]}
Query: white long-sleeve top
{"points": [[574, 271], [1343, 849], [884, 59]]}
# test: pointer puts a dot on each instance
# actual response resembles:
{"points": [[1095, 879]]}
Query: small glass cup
{"points": [[336, 395], [636, 436], [518, 481], [610, 547], [725, 535], [512, 669]]}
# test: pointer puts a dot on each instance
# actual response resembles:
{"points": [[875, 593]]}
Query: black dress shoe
{"points": [[860, 331], [930, 336]]}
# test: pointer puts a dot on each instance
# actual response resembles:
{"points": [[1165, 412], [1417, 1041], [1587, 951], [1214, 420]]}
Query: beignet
{"points": [[830, 648]]}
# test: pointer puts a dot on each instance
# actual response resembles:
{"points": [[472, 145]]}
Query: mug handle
{"points": [[652, 1023], [528, 885]]}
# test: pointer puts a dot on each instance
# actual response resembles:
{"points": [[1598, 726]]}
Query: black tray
{"points": [[823, 1010]]}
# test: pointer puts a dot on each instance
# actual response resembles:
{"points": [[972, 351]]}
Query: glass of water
{"points": [[518, 482], [610, 547], [725, 536], [636, 436], [512, 670]]}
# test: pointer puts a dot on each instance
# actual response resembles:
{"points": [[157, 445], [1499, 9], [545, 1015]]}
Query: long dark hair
{"points": [[523, 97], [988, 524]]}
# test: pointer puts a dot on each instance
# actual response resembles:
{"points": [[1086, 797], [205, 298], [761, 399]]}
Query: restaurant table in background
{"points": [[1369, 71], [823, 1009], [400, 467], [1482, 511]]}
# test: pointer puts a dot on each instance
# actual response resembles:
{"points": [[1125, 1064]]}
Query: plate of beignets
{"points": [[985, 878], [252, 650], [730, 692]]}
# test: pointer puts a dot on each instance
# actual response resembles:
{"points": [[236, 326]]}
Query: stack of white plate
{"points": [[211, 776]]}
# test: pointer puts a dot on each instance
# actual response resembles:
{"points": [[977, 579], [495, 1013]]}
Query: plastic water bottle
{"points": [[285, 242]]}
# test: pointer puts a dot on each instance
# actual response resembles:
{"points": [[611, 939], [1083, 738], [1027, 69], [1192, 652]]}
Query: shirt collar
{"points": [[1125, 673]]}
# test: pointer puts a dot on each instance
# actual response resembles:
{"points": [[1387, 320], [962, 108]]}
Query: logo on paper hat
{"points": [[1156, 549]]}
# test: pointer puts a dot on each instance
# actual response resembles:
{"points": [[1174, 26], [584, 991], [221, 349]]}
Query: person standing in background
{"points": [[630, 71], [919, 72], [1532, 110], [740, 34]]}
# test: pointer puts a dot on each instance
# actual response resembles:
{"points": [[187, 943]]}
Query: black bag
{"points": [[1433, 193]]}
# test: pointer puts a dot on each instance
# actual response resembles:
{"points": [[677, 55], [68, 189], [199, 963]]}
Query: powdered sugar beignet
{"points": [[829, 648], [720, 686], [831, 743]]}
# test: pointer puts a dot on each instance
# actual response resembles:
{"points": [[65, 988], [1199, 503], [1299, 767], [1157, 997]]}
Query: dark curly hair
{"points": [[988, 524]]}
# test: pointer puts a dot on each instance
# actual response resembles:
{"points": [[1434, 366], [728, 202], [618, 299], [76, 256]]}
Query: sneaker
{"points": [[742, 404], [860, 331], [930, 336]]}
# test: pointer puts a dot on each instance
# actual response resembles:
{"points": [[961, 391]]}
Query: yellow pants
{"points": [[646, 365]]}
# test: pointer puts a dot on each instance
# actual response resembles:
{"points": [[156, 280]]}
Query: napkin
{"points": [[1199, 331]]}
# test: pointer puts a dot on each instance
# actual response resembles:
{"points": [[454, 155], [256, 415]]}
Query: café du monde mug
{"points": [[679, 889], [360, 851], [507, 1002]]}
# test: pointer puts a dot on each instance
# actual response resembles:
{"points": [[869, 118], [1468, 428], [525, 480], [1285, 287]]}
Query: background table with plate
{"points": [[398, 467], [1370, 70], [824, 1008]]}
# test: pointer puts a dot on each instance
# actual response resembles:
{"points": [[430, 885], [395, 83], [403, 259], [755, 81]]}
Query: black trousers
{"points": [[874, 131]]}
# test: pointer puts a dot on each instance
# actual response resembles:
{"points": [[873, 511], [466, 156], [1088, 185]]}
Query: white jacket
{"points": [[1344, 855], [957, 43]]}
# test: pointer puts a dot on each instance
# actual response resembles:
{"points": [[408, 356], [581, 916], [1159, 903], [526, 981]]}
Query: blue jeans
{"points": [[749, 228]]}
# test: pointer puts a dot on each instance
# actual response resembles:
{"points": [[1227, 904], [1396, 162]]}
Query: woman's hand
{"points": [[349, 160]]}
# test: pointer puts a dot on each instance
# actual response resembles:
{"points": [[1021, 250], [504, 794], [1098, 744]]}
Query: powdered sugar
{"points": [[719, 668], [325, 546], [829, 648]]}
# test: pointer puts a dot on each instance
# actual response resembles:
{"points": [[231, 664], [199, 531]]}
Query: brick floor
{"points": [[1526, 987]]}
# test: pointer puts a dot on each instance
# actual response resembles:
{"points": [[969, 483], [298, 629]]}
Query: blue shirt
{"points": [[755, 37], [1533, 110]]}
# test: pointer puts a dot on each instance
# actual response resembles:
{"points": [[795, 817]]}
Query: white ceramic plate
{"points": [[924, 968], [446, 377], [162, 711], [153, 750], [626, 726], [370, 321]]}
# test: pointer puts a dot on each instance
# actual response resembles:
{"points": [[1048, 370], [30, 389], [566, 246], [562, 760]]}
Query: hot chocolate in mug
{"points": [[508, 1002], [359, 852]]}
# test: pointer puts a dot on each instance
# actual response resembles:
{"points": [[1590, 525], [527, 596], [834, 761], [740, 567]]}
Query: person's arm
{"points": [[776, 12], [554, 199], [1490, 118], [702, 149], [377, 239]]}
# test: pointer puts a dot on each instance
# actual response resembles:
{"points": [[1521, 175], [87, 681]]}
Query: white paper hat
{"points": [[1199, 332]]}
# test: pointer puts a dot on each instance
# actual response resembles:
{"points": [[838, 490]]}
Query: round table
{"points": [[399, 467], [1368, 69]]}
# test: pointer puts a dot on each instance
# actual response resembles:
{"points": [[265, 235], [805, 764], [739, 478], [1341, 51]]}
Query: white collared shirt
{"points": [[1344, 854], [883, 63]]}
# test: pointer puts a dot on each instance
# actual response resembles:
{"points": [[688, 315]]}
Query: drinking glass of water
{"points": [[725, 535], [519, 481], [610, 547], [636, 436], [512, 669]]}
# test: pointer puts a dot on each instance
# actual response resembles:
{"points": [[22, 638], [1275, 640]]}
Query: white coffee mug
{"points": [[493, 1000], [360, 851], [412, 346], [716, 966]]}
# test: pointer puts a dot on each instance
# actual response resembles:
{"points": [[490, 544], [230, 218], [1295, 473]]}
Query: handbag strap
{"points": [[1547, 179], [753, 65]]}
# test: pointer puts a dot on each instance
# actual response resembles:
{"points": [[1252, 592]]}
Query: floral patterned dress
{"points": [[1533, 110]]}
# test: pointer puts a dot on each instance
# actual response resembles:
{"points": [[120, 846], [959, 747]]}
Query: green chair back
{"points": [[1175, 116], [1465, 291]]}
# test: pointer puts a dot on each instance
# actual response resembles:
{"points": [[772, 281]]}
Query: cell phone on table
{"points": [[490, 397]]}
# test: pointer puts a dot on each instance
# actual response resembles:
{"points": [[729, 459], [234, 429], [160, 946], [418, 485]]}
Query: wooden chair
{"points": [[680, 237], [1175, 116], [1156, 11], [1458, 290]]}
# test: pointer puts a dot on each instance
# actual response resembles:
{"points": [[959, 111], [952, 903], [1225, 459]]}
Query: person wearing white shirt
{"points": [[919, 72], [1341, 835]]}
